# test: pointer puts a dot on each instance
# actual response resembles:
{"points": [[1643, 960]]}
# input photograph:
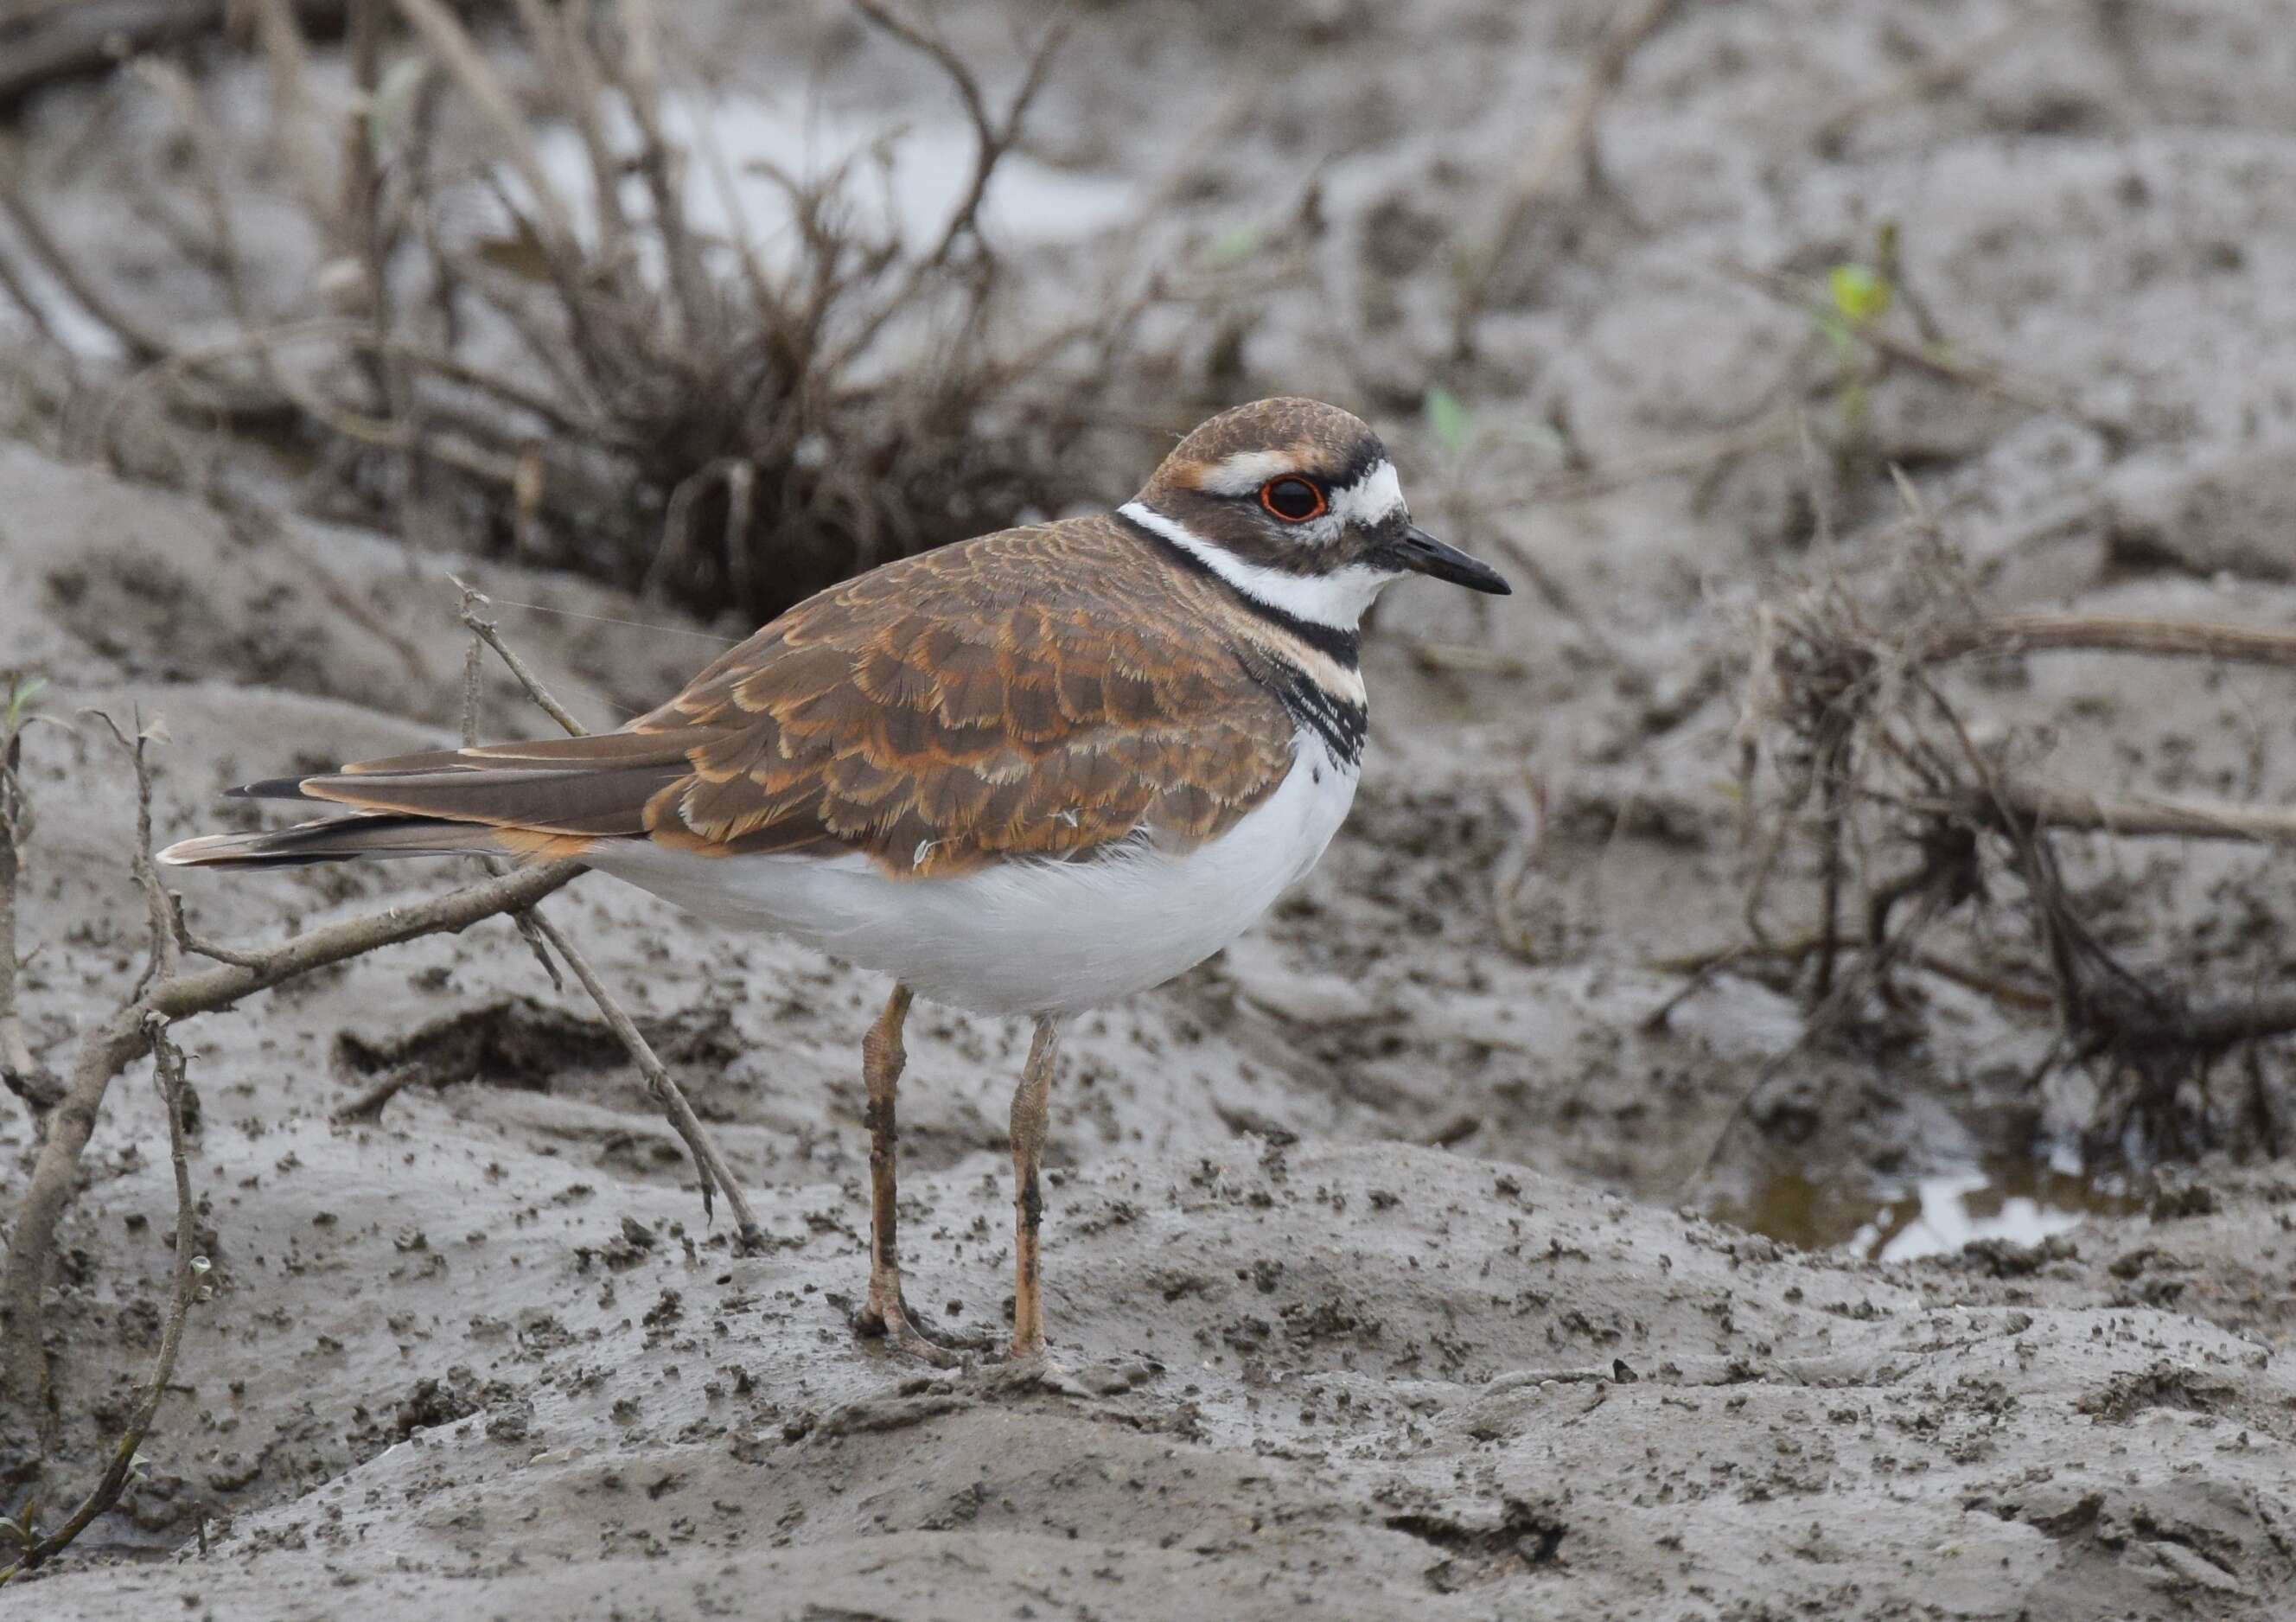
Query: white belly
{"points": [[1031, 937]]}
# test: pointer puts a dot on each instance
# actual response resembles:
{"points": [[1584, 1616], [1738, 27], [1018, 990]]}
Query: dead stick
{"points": [[368, 1105], [451, 44], [1701, 966], [167, 1072], [2132, 816], [124, 1037], [24, 1074], [473, 669], [2120, 634], [665, 1087], [489, 632], [637, 69], [142, 343]]}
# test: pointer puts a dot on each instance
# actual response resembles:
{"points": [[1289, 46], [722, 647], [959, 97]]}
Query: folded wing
{"points": [[955, 708]]}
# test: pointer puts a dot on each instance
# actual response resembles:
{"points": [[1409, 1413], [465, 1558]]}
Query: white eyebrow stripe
{"points": [[1245, 472], [1335, 600], [1370, 500]]}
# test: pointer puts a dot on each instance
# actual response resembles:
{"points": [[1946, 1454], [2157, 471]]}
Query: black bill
{"points": [[1422, 554]]}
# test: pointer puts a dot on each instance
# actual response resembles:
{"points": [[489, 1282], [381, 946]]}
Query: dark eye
{"points": [[1293, 500]]}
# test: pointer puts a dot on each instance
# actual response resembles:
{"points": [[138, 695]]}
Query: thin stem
{"points": [[168, 1074]]}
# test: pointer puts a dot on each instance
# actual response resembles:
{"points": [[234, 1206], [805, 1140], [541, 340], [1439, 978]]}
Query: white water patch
{"points": [[910, 179], [2021, 1202]]}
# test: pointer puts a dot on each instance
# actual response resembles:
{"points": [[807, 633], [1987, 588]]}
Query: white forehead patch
{"points": [[1245, 472], [1370, 500]]}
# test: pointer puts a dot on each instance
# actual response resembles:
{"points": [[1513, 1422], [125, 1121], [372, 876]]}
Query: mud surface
{"points": [[1378, 1236]]}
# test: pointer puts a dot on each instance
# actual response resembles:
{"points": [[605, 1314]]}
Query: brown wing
{"points": [[1043, 691]]}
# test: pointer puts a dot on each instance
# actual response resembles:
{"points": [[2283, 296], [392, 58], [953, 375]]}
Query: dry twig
{"points": [[24, 1074], [2136, 815], [62, 40], [2034, 633], [37, 1548], [141, 343], [1842, 701], [548, 938], [126, 1036], [490, 633]]}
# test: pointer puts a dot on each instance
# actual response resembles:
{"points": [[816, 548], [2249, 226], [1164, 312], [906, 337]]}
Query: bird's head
{"points": [[1296, 503]]}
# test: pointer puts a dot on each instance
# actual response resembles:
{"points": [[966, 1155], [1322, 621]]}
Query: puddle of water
{"points": [[914, 176], [2007, 1197]]}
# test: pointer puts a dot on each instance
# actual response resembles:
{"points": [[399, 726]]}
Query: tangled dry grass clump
{"points": [[593, 378], [1855, 748]]}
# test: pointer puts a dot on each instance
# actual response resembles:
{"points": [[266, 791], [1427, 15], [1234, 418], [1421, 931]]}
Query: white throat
{"points": [[1334, 600]]}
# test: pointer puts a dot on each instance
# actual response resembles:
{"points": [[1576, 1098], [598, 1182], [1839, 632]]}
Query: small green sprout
{"points": [[23, 691], [388, 109], [1449, 423], [1862, 294], [1231, 247]]}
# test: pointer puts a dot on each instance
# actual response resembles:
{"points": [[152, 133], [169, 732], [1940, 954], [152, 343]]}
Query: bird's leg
{"points": [[1028, 1111], [886, 1313]]}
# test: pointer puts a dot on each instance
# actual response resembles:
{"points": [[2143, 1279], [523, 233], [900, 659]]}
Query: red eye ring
{"points": [[1281, 497]]}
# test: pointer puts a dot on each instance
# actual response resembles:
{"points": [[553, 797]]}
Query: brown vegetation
{"points": [[1868, 759], [604, 385]]}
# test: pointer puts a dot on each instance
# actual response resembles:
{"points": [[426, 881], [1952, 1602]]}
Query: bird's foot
{"points": [[886, 1316], [1036, 1369]]}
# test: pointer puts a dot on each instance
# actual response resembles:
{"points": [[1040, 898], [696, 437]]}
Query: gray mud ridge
{"points": [[1372, 1381]]}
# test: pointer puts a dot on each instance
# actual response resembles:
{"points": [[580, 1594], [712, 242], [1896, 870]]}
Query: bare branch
{"points": [[1701, 966], [638, 71], [279, 36], [474, 671], [716, 1175], [24, 1075], [992, 140], [2024, 633], [490, 633], [459, 54], [2136, 815], [575, 77], [190, 940], [141, 342], [126, 1036], [666, 1089], [159, 906], [168, 1074]]}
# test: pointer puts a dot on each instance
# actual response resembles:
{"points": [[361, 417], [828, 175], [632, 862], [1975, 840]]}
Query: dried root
{"points": [[1860, 768]]}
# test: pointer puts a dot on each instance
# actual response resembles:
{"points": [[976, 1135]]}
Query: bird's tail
{"points": [[373, 833], [534, 802]]}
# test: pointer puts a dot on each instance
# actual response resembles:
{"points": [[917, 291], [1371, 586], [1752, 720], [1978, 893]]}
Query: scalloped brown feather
{"points": [[1041, 692]]}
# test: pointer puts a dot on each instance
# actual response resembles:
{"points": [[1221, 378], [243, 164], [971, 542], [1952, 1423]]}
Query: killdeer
{"points": [[1026, 774]]}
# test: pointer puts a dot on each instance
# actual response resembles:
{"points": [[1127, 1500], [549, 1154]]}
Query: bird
{"points": [[1023, 775]]}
